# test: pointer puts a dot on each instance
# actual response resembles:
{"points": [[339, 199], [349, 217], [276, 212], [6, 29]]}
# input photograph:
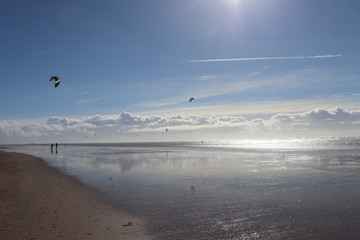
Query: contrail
{"points": [[265, 58]]}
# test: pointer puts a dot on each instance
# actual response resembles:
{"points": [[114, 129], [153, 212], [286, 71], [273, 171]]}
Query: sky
{"points": [[256, 69]]}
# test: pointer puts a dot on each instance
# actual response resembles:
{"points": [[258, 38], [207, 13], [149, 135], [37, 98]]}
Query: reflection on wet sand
{"points": [[208, 193]]}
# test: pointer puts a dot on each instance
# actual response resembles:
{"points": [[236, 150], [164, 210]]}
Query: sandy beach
{"points": [[39, 202], [183, 191]]}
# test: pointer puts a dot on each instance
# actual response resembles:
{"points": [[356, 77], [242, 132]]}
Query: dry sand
{"points": [[39, 202]]}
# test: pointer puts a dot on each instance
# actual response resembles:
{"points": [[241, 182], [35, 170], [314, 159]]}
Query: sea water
{"points": [[249, 189]]}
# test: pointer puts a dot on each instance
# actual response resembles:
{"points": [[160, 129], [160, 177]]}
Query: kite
{"points": [[57, 80], [191, 99]]}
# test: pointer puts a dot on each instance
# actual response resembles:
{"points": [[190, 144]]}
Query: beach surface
{"points": [[39, 202], [291, 189]]}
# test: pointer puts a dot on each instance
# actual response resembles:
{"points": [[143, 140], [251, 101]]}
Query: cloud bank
{"points": [[331, 120], [266, 58], [106, 127]]}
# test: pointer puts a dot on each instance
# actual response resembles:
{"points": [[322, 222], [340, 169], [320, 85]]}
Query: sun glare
{"points": [[234, 2]]}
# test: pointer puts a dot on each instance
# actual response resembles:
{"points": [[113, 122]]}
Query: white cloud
{"points": [[253, 74], [258, 72], [208, 77], [266, 58], [341, 95], [330, 120], [318, 118], [87, 100]]}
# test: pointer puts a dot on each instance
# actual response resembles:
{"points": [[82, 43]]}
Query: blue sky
{"points": [[139, 57]]}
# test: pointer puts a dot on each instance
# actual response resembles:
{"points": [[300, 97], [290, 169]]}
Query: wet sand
{"points": [[39, 202], [184, 193]]}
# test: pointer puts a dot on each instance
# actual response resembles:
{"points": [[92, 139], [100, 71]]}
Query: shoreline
{"points": [[39, 202]]}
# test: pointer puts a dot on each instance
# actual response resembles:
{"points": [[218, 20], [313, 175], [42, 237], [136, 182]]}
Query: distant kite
{"points": [[191, 99], [56, 79]]}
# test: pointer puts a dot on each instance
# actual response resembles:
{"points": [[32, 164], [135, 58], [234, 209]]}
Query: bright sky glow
{"points": [[128, 68]]}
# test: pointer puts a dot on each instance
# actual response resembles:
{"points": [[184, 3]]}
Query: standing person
{"points": [[52, 147]]}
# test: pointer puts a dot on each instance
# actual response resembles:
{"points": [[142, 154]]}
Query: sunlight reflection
{"points": [[276, 144]]}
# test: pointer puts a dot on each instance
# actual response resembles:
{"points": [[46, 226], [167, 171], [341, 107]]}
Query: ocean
{"points": [[248, 189]]}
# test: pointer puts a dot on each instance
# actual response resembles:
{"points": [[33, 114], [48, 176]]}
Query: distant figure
{"points": [[52, 148], [56, 146]]}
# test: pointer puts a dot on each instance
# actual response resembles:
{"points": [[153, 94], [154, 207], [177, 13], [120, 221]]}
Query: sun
{"points": [[232, 3]]}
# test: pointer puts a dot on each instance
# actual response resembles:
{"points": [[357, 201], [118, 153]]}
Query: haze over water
{"points": [[258, 189]]}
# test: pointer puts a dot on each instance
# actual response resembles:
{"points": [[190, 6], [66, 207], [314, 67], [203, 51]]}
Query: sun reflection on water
{"points": [[288, 144]]}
